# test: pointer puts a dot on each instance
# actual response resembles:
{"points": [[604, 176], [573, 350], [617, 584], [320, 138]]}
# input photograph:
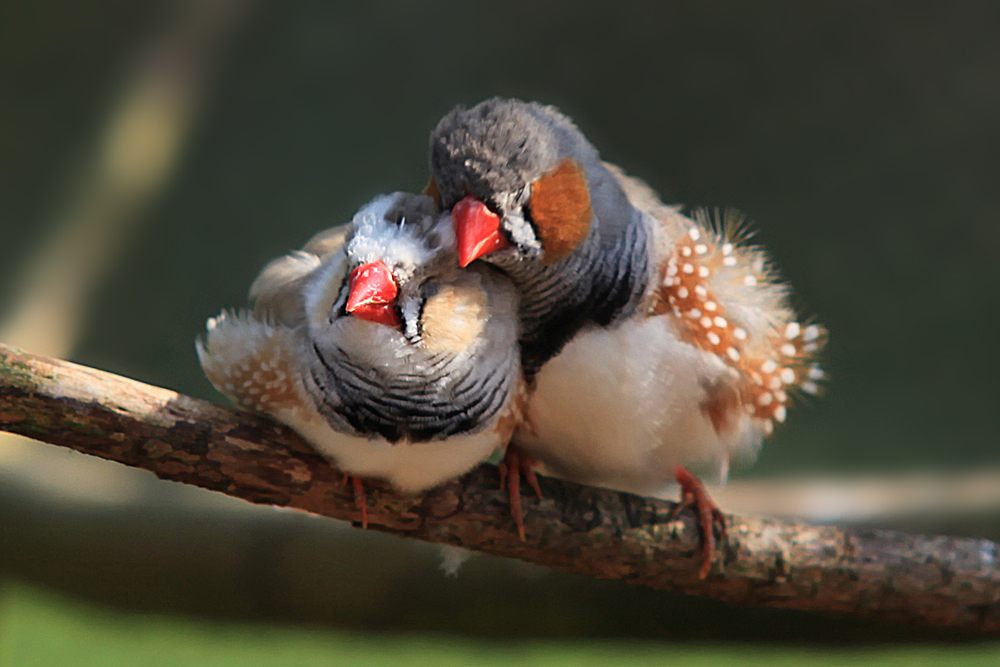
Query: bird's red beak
{"points": [[373, 292], [477, 230]]}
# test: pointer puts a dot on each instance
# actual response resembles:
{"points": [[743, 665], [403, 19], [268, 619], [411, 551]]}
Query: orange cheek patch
{"points": [[453, 318], [560, 208]]}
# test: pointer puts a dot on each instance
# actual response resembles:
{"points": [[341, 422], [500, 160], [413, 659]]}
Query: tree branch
{"points": [[931, 581]]}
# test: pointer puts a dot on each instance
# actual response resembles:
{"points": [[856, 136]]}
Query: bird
{"points": [[652, 341], [376, 347]]}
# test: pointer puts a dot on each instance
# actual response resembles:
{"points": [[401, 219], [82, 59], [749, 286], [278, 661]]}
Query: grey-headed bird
{"points": [[378, 349], [651, 341]]}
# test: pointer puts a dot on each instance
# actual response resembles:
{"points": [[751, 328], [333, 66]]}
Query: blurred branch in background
{"points": [[930, 581], [131, 164], [132, 161], [925, 496]]}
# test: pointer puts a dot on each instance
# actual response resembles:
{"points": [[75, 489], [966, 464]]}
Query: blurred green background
{"points": [[862, 138]]}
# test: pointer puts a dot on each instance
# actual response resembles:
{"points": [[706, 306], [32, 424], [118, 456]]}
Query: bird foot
{"points": [[516, 463], [693, 494], [360, 501]]}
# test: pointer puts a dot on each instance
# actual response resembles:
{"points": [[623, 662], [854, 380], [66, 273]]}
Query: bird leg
{"points": [[693, 494], [360, 501], [514, 464]]}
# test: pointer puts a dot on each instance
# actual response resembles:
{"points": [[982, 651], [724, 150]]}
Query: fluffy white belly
{"points": [[622, 407], [410, 468]]}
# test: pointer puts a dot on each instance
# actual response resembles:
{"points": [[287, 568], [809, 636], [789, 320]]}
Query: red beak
{"points": [[373, 292], [477, 230]]}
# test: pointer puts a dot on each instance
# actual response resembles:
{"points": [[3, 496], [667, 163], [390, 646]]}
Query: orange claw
{"points": [[360, 501], [514, 464], [693, 494]]}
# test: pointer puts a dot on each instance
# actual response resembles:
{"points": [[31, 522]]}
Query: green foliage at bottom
{"points": [[41, 629]]}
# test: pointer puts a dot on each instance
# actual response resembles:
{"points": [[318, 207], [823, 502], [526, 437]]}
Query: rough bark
{"points": [[932, 581]]}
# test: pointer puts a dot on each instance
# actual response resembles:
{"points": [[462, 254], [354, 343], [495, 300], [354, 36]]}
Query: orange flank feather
{"points": [[560, 209], [780, 361], [515, 415]]}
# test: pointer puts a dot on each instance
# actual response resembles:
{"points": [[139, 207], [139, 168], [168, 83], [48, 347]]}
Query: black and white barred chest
{"points": [[440, 397]]}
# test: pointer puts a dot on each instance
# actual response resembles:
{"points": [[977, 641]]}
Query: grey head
{"points": [[496, 152]]}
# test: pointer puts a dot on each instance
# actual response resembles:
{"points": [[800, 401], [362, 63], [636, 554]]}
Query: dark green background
{"points": [[862, 138]]}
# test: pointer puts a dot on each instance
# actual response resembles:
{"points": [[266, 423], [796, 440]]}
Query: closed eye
{"points": [[339, 308]]}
